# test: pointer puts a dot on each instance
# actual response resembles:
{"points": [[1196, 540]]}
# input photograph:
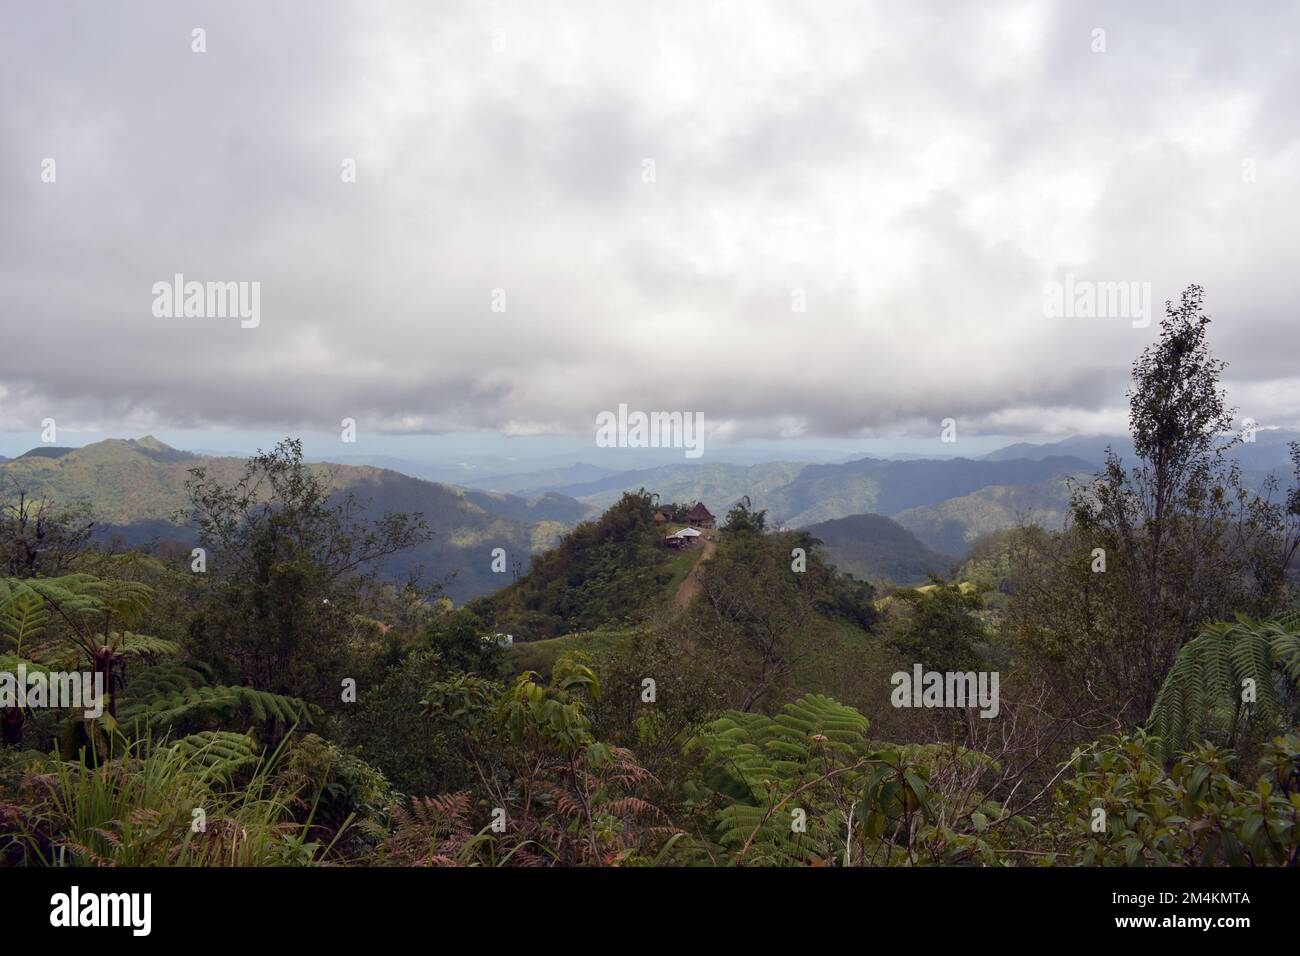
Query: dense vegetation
{"points": [[281, 702]]}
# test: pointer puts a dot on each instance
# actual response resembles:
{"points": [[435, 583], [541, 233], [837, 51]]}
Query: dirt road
{"points": [[690, 585]]}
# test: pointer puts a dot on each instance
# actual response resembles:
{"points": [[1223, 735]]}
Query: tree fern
{"points": [[73, 616], [222, 704], [219, 754], [1202, 695], [178, 695], [753, 762], [24, 615]]}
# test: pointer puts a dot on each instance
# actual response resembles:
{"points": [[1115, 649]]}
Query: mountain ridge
{"points": [[135, 487]]}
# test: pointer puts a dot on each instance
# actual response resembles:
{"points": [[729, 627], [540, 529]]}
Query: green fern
{"points": [[169, 678], [219, 753], [24, 615], [1201, 697], [68, 620], [178, 695], [754, 761]]}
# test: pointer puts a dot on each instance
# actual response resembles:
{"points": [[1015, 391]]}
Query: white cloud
{"points": [[916, 172]]}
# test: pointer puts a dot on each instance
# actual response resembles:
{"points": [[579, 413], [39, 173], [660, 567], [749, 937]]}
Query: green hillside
{"points": [[603, 572], [952, 526], [135, 488], [876, 549], [869, 485]]}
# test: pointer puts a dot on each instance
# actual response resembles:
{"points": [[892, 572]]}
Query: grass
{"points": [[159, 805], [540, 656], [681, 565], [966, 587]]}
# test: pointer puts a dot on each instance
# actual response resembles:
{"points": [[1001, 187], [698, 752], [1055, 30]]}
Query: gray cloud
{"points": [[915, 173]]}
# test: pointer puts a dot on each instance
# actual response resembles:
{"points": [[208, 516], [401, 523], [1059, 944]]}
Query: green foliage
{"points": [[77, 611], [1122, 808], [24, 613], [157, 709], [463, 641], [67, 623], [939, 626], [755, 765], [1184, 540], [340, 789], [762, 620], [743, 518], [221, 754], [808, 786], [570, 798], [290, 563], [554, 713], [1203, 695], [38, 538], [390, 731]]}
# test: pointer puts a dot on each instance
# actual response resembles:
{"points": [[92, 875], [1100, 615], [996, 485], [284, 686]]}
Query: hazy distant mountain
{"points": [[1267, 451], [877, 549], [548, 507], [823, 492], [135, 488], [46, 451], [547, 479], [718, 485], [799, 494], [1090, 448], [951, 526]]}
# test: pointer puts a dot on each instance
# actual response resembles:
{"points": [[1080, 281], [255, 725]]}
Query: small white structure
{"points": [[684, 537]]}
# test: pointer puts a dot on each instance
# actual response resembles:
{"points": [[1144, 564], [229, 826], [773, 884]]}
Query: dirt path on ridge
{"points": [[690, 585]]}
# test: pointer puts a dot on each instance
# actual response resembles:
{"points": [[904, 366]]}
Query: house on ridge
{"points": [[699, 517]]}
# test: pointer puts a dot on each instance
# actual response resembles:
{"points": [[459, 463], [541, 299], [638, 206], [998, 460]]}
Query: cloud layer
{"points": [[656, 191]]}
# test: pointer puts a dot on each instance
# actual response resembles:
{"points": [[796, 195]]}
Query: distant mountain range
{"points": [[823, 492], [1089, 448], [136, 486], [951, 526], [1266, 452], [942, 505]]}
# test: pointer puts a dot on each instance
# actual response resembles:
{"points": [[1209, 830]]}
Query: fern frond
{"points": [[1204, 695]]}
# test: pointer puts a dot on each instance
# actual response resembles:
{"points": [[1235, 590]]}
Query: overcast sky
{"points": [[655, 187]]}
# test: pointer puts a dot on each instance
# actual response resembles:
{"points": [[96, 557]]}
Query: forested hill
{"points": [[134, 489], [877, 549], [604, 571], [613, 575], [953, 525]]}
